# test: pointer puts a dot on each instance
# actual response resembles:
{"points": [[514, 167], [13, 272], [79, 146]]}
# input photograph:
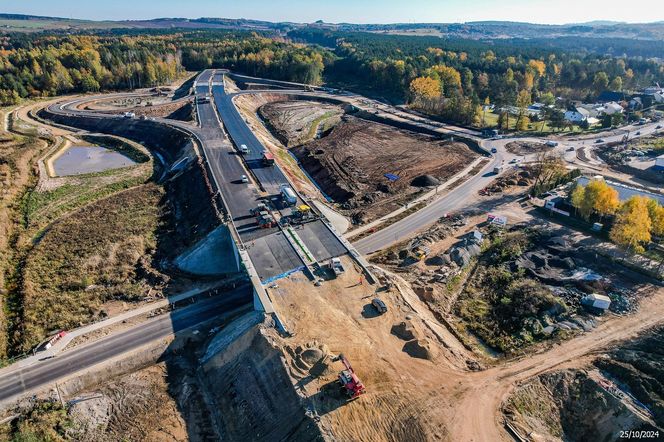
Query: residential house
{"points": [[582, 113], [577, 115], [610, 108]]}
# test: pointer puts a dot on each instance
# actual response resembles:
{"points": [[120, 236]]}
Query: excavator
{"points": [[351, 384]]}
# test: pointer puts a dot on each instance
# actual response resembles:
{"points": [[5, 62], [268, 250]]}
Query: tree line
{"points": [[40, 65], [455, 77]]}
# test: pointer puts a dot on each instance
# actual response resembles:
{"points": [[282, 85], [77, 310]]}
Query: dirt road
{"points": [[476, 416], [23, 113]]}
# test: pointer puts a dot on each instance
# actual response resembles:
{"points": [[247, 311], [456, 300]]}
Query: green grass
{"points": [[313, 129], [88, 230]]}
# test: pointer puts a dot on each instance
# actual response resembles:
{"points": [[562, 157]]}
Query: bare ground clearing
{"points": [[297, 122], [350, 164]]}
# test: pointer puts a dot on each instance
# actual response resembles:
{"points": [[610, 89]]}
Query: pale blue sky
{"points": [[354, 11]]}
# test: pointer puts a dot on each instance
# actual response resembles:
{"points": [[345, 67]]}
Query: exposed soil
{"points": [[619, 157], [514, 180], [394, 354], [296, 122], [134, 407], [148, 106], [351, 162], [526, 147], [591, 404]]}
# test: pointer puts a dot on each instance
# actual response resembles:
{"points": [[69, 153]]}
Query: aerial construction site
{"points": [[248, 306]]}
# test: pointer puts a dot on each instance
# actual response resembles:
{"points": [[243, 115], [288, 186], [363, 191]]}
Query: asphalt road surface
{"points": [[456, 199], [321, 241], [49, 371]]}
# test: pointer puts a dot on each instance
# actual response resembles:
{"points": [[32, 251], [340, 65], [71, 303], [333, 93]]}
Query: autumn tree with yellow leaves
{"points": [[597, 197], [632, 226], [424, 90], [656, 213]]}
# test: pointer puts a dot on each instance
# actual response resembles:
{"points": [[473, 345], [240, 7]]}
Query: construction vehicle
{"points": [[258, 209], [288, 195], [268, 159], [351, 384], [265, 220], [302, 214], [336, 266], [419, 250]]}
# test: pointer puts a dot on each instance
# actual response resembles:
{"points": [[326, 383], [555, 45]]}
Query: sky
{"points": [[353, 11]]}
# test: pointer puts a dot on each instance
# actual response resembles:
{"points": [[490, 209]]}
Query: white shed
{"points": [[597, 301]]}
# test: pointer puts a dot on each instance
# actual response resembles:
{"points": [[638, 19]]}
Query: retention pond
{"points": [[78, 160]]}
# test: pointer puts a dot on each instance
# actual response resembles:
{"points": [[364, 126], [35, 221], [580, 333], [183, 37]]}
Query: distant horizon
{"points": [[608, 22], [542, 12]]}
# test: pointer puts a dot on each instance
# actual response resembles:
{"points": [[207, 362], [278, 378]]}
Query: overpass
{"points": [[266, 254]]}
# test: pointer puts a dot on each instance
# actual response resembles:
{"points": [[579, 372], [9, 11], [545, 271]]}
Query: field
{"points": [[350, 163], [95, 255]]}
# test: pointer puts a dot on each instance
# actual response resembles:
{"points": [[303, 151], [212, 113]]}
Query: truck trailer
{"points": [[288, 195]]}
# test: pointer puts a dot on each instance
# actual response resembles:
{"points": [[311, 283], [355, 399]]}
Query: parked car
{"points": [[599, 140], [494, 150], [379, 305], [244, 179]]}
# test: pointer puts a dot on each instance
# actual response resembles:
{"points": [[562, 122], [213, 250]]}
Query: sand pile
{"points": [[309, 360]]}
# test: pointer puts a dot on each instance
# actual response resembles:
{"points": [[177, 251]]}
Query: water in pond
{"points": [[89, 159]]}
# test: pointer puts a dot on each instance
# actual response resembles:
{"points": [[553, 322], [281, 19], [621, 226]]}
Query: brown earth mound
{"points": [[370, 166], [526, 147], [296, 122]]}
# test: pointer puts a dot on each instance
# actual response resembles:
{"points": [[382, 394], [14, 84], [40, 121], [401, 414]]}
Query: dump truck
{"points": [[288, 196], [351, 384], [268, 159]]}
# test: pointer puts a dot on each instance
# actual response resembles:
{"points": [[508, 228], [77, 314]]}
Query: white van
{"points": [[244, 149]]}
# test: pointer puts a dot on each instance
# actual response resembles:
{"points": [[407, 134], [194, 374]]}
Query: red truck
{"points": [[268, 159]]}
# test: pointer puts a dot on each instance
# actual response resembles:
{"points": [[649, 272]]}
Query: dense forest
{"points": [[450, 77], [454, 77], [38, 65]]}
